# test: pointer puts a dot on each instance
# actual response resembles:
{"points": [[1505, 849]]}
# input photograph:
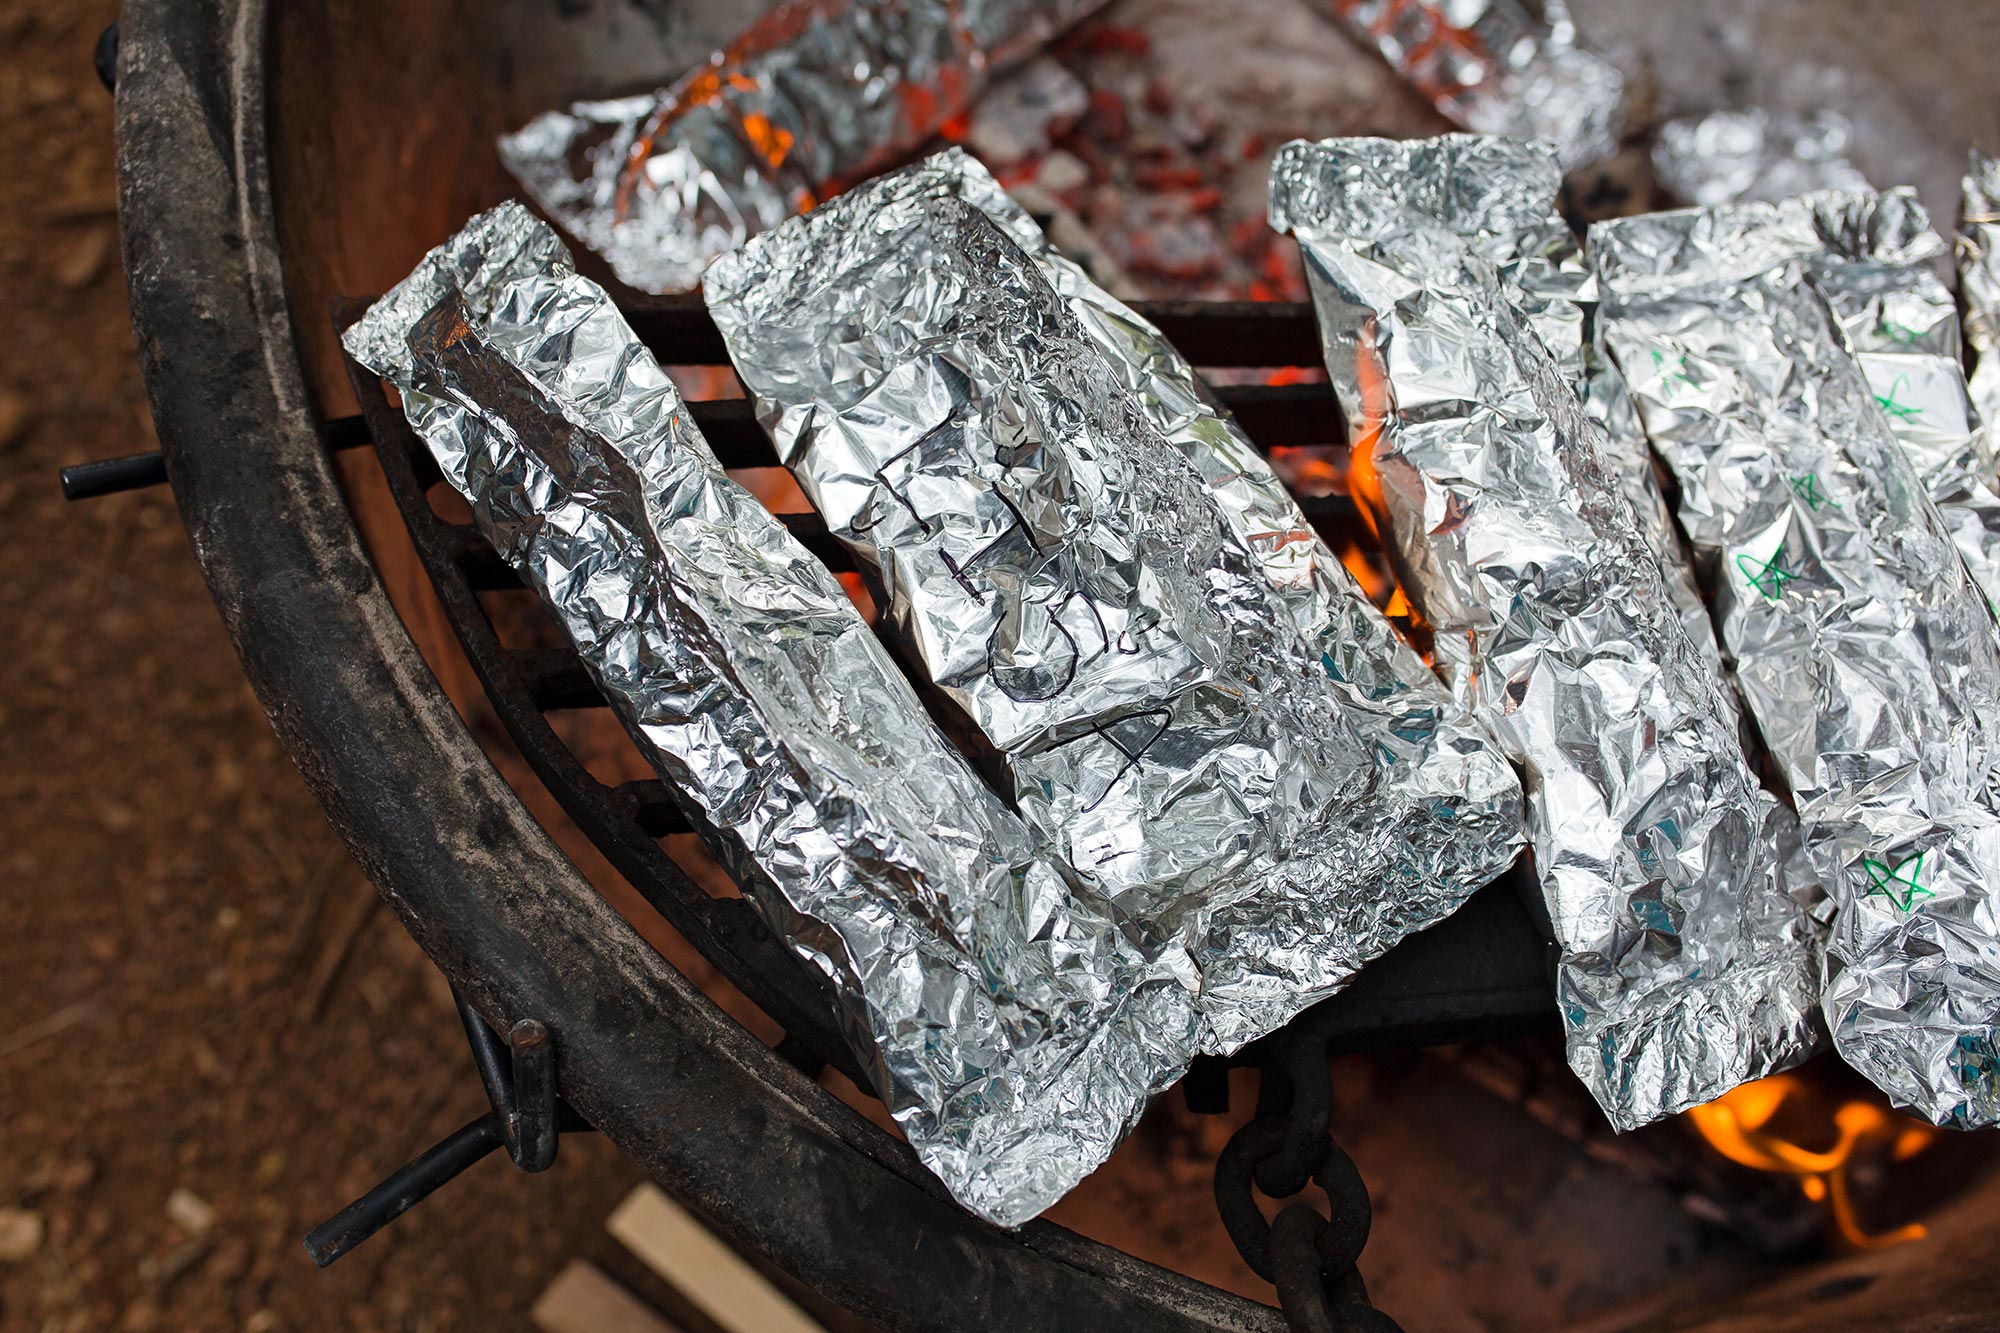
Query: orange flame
{"points": [[1738, 1125], [773, 142]]}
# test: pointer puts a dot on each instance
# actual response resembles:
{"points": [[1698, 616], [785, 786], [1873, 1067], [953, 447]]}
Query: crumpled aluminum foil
{"points": [[1727, 157], [1011, 1025], [1876, 271], [1869, 658], [1687, 966], [1188, 694], [814, 95], [1979, 287], [1494, 67]]}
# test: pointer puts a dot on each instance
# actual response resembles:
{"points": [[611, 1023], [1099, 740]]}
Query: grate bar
{"points": [[1208, 333]]}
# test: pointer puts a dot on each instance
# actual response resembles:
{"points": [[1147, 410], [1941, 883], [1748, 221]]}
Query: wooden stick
{"points": [[710, 1274], [583, 1300]]}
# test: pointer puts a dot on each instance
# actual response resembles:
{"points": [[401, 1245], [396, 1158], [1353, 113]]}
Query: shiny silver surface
{"points": [[1189, 697], [1687, 966], [1979, 288], [1867, 654], [811, 97], [1874, 258], [1728, 157], [1495, 67], [1012, 1027]]}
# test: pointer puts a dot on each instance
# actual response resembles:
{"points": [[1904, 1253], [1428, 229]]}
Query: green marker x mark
{"points": [[1900, 411], [1766, 576], [1676, 376], [1900, 886], [1807, 489], [1900, 334]]}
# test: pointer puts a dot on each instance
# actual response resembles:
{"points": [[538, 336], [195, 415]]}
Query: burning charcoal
{"points": [[1979, 287], [1192, 698], [1492, 66], [1729, 157], [1435, 268], [1010, 1024], [810, 97], [1868, 655], [1025, 112]]}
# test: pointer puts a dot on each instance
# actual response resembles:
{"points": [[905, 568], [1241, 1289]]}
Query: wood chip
{"points": [[20, 1234], [190, 1212]]}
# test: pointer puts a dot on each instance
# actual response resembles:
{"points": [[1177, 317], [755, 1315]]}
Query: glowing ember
{"points": [[1740, 1126], [1311, 469]]}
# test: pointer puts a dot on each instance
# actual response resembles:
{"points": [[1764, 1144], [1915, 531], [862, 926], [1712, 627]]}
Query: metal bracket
{"points": [[526, 1119]]}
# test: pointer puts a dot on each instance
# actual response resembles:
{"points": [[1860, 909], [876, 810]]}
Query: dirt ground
{"points": [[192, 1069]]}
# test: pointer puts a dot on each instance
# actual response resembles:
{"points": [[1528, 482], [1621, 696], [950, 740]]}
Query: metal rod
{"points": [[108, 476], [487, 1056], [533, 1121], [402, 1190]]}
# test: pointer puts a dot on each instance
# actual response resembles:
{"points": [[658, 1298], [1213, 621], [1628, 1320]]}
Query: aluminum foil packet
{"points": [[1495, 67], [1189, 697], [1873, 257], [1727, 157], [1687, 965], [1979, 286], [814, 95], [1011, 1021], [1868, 656]]}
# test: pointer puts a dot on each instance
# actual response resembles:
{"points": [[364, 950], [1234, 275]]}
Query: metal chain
{"points": [[1308, 1258]]}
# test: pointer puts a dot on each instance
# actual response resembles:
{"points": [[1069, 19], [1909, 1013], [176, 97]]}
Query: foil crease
{"points": [[1755, 155], [1979, 287], [1188, 695], [1876, 265], [1868, 656], [1687, 966], [1494, 67], [1011, 1024], [811, 97]]}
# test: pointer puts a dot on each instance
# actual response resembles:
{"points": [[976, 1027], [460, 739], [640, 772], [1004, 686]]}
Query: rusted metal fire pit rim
{"points": [[777, 1165]]}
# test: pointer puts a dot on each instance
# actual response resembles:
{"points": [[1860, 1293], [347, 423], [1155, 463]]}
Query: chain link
{"points": [[1308, 1258]]}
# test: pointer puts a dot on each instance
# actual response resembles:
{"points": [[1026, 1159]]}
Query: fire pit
{"points": [[275, 164]]}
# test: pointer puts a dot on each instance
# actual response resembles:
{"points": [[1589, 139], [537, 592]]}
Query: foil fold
{"points": [[1189, 696], [1979, 288], [1493, 66], [1687, 964], [1010, 1019], [1868, 656], [1754, 155], [814, 95], [1874, 257]]}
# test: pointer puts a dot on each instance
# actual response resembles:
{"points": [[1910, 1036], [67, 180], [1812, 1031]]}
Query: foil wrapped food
{"points": [[1497, 67], [1013, 1023], [1687, 964], [1188, 696], [1727, 157], [1868, 656], [1874, 258], [1979, 287], [811, 97]]}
